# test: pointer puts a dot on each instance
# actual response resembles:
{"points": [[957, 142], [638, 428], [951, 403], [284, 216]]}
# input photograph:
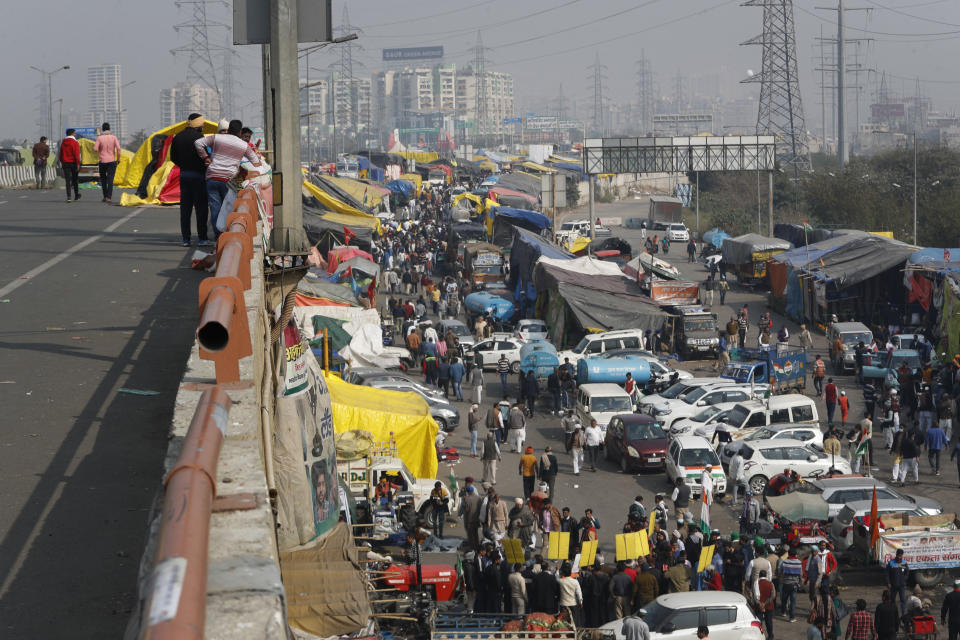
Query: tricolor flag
{"points": [[862, 447], [705, 512], [806, 226]]}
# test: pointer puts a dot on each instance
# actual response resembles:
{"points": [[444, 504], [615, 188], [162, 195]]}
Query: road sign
{"points": [[541, 122], [516, 120], [86, 132], [412, 53], [420, 130], [569, 124], [464, 124]]}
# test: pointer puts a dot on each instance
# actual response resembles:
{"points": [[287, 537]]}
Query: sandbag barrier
{"points": [[177, 601], [223, 332]]}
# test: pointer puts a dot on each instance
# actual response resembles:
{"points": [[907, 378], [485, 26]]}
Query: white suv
{"points": [[677, 232], [725, 396], [764, 459], [676, 391], [678, 615], [596, 343]]}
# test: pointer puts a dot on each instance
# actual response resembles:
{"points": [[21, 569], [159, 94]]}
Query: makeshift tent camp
{"points": [[330, 202], [589, 295], [332, 187], [404, 416], [151, 158], [368, 195], [501, 220], [89, 156], [342, 254], [403, 188], [526, 249], [325, 229]]}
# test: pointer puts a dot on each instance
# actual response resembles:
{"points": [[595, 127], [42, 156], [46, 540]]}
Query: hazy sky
{"points": [[543, 43]]}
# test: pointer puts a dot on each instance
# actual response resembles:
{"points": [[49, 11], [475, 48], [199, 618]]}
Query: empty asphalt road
{"points": [[94, 298]]}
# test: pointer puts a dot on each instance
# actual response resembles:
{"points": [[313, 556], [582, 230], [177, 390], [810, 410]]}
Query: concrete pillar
{"points": [[288, 235]]}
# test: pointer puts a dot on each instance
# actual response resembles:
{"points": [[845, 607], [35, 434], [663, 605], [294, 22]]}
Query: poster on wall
{"points": [[294, 362], [305, 461]]}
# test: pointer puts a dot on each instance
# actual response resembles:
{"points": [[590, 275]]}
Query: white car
{"points": [[725, 396], [678, 615], [487, 352], [702, 424], [676, 391], [677, 232], [459, 329], [808, 434], [763, 459], [531, 329], [687, 457], [840, 491]]}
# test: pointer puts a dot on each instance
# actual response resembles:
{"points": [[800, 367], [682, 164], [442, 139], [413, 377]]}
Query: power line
{"points": [[884, 33], [432, 16], [910, 15]]}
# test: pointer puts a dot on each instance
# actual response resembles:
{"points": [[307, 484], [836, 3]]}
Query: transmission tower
{"points": [[598, 98], [645, 93], [200, 52], [560, 104], [480, 84], [346, 90], [781, 109]]}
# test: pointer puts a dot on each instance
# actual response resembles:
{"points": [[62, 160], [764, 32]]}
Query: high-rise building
{"points": [[176, 103], [104, 99], [351, 108], [499, 100]]}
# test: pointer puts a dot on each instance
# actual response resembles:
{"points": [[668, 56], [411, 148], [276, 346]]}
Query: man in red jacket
{"points": [[70, 161]]}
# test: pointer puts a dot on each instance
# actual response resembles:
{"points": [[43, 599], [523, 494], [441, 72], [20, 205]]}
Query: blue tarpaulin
{"points": [[526, 250], [532, 218], [716, 237], [935, 260], [401, 187]]}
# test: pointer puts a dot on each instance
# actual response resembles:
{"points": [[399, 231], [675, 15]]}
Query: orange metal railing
{"points": [[223, 332], [176, 607]]}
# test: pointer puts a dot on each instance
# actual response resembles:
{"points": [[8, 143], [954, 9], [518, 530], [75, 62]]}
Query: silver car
{"points": [[446, 415], [841, 491]]}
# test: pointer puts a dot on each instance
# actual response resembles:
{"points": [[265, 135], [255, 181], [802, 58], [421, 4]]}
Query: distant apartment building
{"points": [[350, 103], [176, 103], [104, 99], [497, 98]]}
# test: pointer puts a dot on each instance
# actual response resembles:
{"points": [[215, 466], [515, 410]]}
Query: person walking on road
{"points": [[830, 399], [547, 471], [518, 427], [473, 426], [503, 368], [193, 189], [935, 441], [897, 572], [41, 153], [691, 251], [490, 457], [681, 501], [861, 625], [886, 618], [593, 435], [475, 378], [723, 287], [577, 444], [819, 373], [108, 148], [528, 471], [457, 371], [69, 157]]}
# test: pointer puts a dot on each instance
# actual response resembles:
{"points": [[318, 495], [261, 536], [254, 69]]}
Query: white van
{"points": [[596, 343], [601, 402], [687, 457]]}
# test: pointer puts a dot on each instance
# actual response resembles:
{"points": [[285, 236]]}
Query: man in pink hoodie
{"points": [[108, 147]]}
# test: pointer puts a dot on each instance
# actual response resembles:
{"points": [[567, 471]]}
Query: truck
{"points": [[664, 209], [783, 367], [695, 331], [483, 263], [614, 369], [929, 544], [361, 475]]}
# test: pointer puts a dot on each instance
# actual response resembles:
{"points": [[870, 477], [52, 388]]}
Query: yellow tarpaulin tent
{"points": [[143, 157], [420, 156], [415, 179], [578, 244], [338, 206], [533, 166], [361, 191], [469, 196], [382, 413], [89, 156], [154, 187]]}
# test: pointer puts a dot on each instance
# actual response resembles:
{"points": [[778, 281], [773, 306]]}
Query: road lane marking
{"points": [[60, 257], [3, 202]]}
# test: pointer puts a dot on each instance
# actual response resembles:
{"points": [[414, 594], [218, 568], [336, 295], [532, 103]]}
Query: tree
{"points": [[137, 139]]}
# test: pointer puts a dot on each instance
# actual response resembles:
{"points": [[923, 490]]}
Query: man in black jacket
{"points": [[193, 187], [546, 590], [886, 619]]}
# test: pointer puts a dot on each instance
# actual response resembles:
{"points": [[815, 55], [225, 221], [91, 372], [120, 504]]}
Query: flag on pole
{"points": [[806, 226], [862, 446], [705, 512], [348, 234], [874, 525]]}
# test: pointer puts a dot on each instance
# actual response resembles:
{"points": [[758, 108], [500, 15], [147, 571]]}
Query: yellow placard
{"points": [[588, 553], [558, 545], [513, 550], [644, 544], [629, 546], [706, 557], [653, 523]]}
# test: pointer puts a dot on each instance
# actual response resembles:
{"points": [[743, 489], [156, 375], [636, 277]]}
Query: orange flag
{"points": [[874, 524]]}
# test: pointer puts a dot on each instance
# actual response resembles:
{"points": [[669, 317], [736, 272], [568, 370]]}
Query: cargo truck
{"points": [[784, 368]]}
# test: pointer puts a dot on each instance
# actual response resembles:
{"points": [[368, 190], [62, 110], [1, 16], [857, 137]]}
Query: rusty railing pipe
{"points": [[177, 603], [213, 334]]}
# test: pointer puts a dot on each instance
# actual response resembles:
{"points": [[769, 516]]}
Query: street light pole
{"points": [[915, 188], [49, 77]]}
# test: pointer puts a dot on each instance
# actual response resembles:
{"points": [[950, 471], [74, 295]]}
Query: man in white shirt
{"points": [[706, 484], [571, 596], [736, 475], [593, 435]]}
